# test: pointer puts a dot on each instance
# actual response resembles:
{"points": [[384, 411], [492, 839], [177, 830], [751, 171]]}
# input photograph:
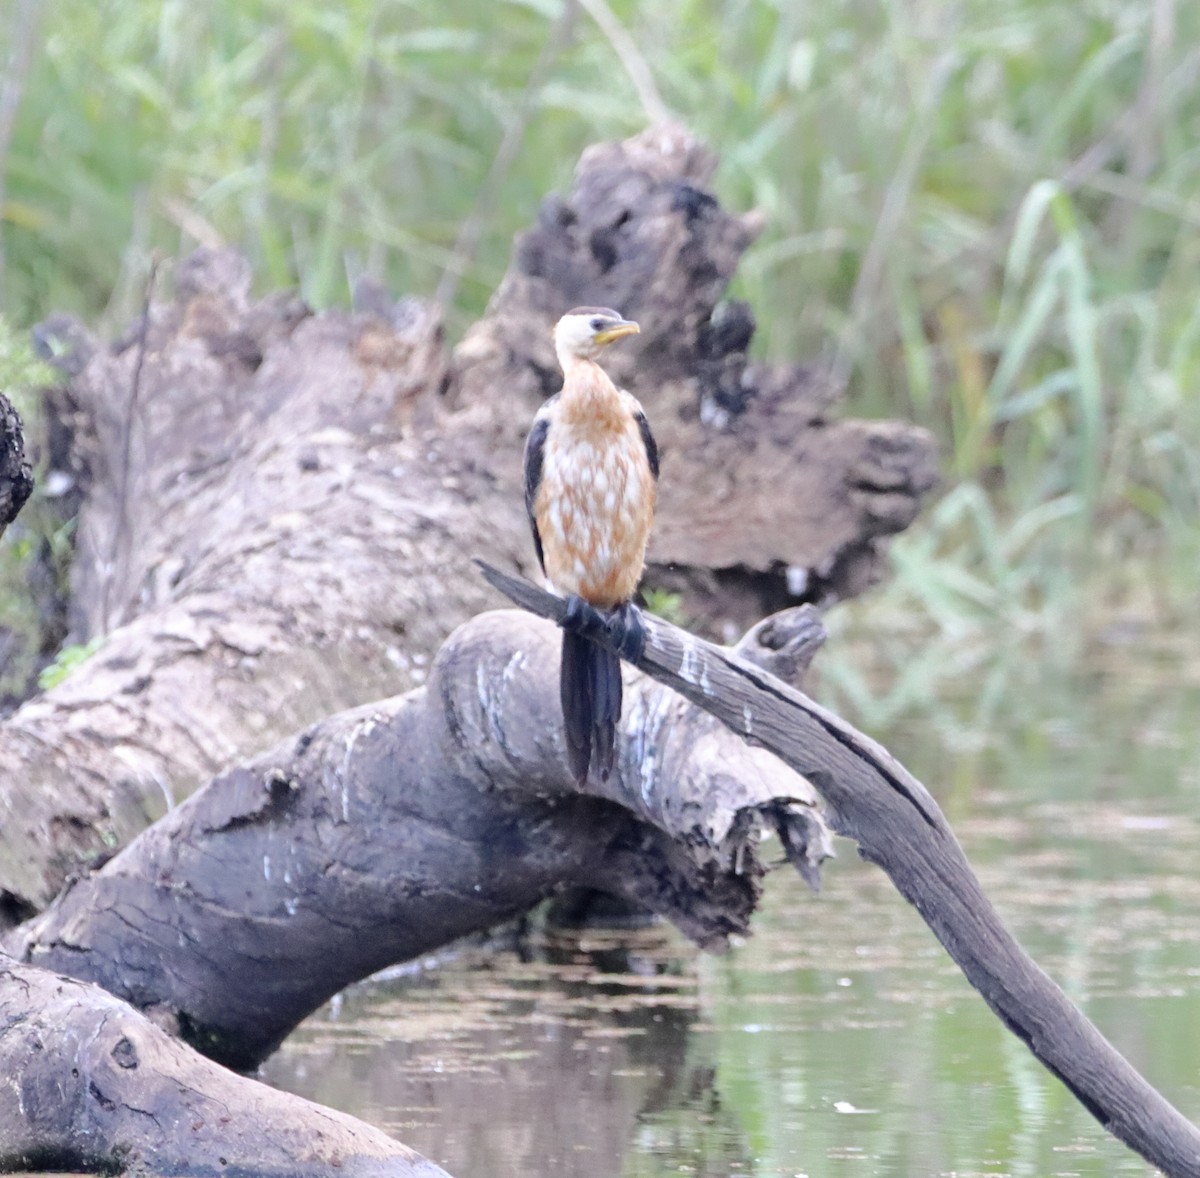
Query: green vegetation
{"points": [[22, 373], [667, 605], [67, 660], [984, 216]]}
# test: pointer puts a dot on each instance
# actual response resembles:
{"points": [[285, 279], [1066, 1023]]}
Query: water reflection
{"points": [[554, 1058], [839, 1040]]}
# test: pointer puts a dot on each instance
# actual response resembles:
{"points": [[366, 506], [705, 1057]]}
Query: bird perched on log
{"points": [[591, 468]]}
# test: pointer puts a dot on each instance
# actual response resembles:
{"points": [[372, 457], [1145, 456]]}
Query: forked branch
{"points": [[872, 799]]}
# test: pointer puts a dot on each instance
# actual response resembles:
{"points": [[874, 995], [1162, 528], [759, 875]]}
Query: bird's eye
{"points": [[597, 324]]}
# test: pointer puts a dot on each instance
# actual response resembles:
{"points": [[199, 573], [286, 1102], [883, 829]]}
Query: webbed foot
{"points": [[583, 618], [628, 631]]}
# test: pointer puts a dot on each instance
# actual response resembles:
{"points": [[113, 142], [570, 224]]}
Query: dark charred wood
{"points": [[870, 798], [18, 660], [16, 475], [758, 475]]}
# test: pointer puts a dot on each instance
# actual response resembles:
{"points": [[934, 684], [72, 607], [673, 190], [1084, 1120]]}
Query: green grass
{"points": [[66, 661], [984, 216]]}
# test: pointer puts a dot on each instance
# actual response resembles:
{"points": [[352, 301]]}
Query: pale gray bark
{"points": [[382, 833], [88, 1082]]}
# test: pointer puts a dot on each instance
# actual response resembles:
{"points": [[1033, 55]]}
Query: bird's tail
{"points": [[590, 685]]}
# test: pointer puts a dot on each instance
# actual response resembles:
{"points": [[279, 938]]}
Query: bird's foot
{"points": [[627, 631], [623, 626], [583, 618]]}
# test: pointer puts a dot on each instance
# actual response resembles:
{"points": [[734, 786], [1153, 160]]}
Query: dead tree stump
{"points": [[281, 507], [279, 514]]}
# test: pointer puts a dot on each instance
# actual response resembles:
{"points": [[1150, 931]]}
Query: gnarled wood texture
{"points": [[384, 832], [16, 478], [758, 475]]}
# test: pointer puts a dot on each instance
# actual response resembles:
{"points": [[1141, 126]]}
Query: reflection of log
{"points": [[280, 511], [871, 798], [91, 1083], [556, 1063], [381, 833]]}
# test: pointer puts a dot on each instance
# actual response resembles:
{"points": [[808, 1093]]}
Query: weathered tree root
{"points": [[870, 798]]}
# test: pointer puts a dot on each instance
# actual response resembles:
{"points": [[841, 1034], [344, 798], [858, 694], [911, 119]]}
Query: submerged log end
{"points": [[92, 1084]]}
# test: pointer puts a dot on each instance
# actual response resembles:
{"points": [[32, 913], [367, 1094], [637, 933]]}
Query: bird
{"points": [[591, 475]]}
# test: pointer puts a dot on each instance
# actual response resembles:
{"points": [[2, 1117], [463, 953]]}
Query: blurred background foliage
{"points": [[984, 216]]}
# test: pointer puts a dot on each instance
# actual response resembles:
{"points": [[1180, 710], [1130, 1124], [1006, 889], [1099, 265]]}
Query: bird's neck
{"points": [[588, 395]]}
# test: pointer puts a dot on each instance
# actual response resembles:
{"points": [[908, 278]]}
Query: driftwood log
{"points": [[280, 507], [89, 1083], [370, 838], [384, 832], [869, 797]]}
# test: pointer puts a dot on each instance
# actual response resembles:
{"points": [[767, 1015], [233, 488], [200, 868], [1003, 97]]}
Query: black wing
{"points": [[648, 441], [535, 451]]}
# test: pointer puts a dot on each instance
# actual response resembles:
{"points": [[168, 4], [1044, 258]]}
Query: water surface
{"points": [[838, 1040]]}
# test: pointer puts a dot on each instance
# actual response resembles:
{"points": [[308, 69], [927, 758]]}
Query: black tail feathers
{"points": [[590, 685]]}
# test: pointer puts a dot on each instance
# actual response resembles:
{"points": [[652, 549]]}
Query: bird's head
{"points": [[582, 334]]}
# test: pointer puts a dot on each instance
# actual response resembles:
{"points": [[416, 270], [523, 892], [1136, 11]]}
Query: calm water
{"points": [[839, 1040]]}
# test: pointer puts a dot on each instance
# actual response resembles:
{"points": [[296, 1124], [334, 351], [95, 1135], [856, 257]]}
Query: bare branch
{"points": [[872, 799]]}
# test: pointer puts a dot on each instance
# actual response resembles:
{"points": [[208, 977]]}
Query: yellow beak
{"points": [[616, 332]]}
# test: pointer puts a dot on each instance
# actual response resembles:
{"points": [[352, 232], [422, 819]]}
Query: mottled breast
{"points": [[595, 506]]}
